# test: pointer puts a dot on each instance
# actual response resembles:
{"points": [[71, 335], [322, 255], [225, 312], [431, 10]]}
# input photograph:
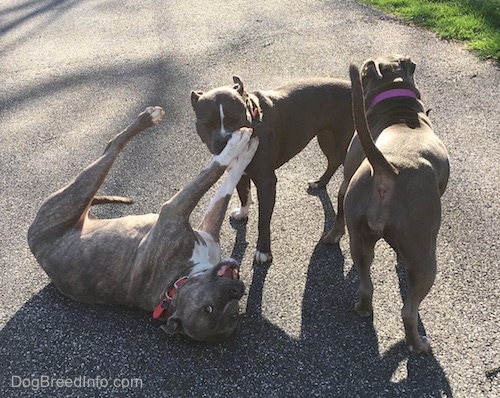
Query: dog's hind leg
{"points": [[329, 146], [419, 260], [338, 230], [362, 253], [68, 207]]}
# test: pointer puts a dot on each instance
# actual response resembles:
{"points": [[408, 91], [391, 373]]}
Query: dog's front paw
{"points": [[262, 258], [240, 213], [316, 184], [235, 146], [152, 115], [420, 347], [156, 113], [363, 311], [333, 237], [237, 166]]}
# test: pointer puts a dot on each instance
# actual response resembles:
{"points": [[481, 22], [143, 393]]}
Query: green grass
{"points": [[474, 22]]}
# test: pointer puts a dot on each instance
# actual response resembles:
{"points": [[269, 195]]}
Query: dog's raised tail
{"points": [[378, 161], [102, 200]]}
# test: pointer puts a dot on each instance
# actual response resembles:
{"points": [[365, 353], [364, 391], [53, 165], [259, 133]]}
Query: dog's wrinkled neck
{"points": [[392, 93], [388, 91]]}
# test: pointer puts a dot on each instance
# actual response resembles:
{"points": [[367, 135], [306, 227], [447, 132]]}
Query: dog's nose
{"points": [[236, 292]]}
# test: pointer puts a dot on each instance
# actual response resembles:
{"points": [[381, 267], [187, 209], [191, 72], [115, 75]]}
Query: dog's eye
{"points": [[208, 309]]}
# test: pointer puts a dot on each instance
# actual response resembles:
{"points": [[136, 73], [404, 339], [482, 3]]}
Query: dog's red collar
{"points": [[252, 110], [255, 112], [169, 295], [396, 92]]}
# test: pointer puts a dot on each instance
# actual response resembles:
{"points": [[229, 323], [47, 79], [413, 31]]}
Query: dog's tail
{"points": [[102, 200], [384, 172], [378, 161]]}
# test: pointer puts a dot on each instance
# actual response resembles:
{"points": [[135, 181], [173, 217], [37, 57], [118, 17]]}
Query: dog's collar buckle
{"points": [[169, 295], [396, 92]]}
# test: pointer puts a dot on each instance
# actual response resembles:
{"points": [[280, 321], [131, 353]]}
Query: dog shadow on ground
{"points": [[112, 350]]}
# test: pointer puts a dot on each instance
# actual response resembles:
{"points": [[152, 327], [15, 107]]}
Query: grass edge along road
{"points": [[474, 22]]}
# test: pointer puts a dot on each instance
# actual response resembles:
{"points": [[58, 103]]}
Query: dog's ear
{"points": [[238, 86], [371, 68], [173, 326], [409, 66], [195, 96]]}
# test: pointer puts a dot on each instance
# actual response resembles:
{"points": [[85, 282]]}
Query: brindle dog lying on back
{"points": [[154, 262]]}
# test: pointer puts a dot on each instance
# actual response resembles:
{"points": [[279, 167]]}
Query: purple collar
{"points": [[397, 92]]}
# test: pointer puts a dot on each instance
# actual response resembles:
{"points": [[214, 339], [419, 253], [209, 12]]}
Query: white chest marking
{"points": [[205, 254]]}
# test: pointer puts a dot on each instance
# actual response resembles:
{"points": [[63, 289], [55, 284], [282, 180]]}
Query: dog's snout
{"points": [[236, 292]]}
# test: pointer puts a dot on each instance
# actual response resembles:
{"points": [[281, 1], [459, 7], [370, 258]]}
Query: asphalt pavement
{"points": [[74, 73]]}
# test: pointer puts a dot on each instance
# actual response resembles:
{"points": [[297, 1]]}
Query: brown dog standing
{"points": [[395, 192], [285, 120]]}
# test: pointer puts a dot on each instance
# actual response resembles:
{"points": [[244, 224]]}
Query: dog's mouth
{"points": [[228, 268], [229, 271]]}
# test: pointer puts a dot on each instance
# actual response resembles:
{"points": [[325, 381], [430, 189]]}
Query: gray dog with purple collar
{"points": [[394, 193], [156, 262]]}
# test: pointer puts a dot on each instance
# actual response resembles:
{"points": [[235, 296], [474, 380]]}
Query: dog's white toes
{"points": [[235, 146], [157, 114], [246, 130], [262, 258], [245, 134], [246, 155], [253, 145], [426, 340], [422, 348], [240, 213]]}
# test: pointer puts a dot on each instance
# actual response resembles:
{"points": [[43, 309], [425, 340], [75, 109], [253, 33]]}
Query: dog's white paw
{"points": [[238, 165], [262, 258], [156, 113], [248, 152], [240, 213], [424, 347], [235, 146]]}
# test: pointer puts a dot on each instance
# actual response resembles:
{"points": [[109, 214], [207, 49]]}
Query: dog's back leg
{"points": [[329, 146], [420, 271], [417, 251], [68, 207], [362, 252], [338, 230]]}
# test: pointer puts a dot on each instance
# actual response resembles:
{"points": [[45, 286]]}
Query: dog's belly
{"points": [[97, 263]]}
